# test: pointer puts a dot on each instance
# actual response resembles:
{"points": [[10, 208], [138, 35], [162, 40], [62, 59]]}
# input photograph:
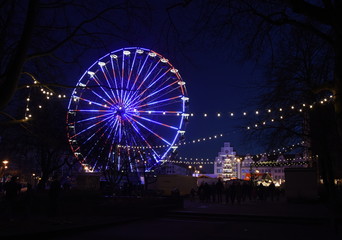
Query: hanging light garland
{"points": [[45, 91], [280, 110], [49, 94]]}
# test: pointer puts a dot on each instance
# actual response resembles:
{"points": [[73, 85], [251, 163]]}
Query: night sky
{"points": [[216, 80]]}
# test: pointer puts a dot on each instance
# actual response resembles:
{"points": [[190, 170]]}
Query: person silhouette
{"points": [[12, 190]]}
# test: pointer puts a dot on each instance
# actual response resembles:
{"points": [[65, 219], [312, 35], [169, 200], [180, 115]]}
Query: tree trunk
{"points": [[13, 70]]}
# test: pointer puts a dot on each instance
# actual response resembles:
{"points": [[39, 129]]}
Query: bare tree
{"points": [[260, 29], [42, 38]]}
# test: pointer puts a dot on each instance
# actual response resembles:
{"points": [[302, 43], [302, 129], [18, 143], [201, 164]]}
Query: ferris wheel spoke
{"points": [[94, 145], [143, 138], [92, 118], [115, 76], [90, 138], [148, 129], [122, 76], [91, 126], [139, 71], [93, 102], [92, 110], [156, 122], [99, 96], [129, 78], [146, 142], [107, 80], [167, 94], [96, 80], [167, 100], [137, 96], [159, 95], [148, 73]]}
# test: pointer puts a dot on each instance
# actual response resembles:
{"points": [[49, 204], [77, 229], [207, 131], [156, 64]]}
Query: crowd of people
{"points": [[235, 192], [16, 199]]}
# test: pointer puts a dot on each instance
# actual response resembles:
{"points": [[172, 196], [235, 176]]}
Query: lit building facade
{"points": [[226, 165], [263, 168], [271, 168]]}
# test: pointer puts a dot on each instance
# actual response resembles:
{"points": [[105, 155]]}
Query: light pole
{"points": [[196, 171], [5, 163], [238, 160]]}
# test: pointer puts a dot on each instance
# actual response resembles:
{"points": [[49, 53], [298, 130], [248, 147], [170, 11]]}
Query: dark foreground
{"points": [[88, 216]]}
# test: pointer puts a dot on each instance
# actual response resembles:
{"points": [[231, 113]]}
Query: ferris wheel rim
{"points": [[137, 114]]}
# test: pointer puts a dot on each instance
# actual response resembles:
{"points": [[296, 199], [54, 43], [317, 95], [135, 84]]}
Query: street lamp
{"points": [[196, 170], [238, 160], [5, 162]]}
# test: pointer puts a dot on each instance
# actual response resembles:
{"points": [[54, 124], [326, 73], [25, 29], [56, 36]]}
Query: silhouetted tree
{"points": [[41, 38]]}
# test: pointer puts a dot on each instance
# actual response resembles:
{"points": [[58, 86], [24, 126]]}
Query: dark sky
{"points": [[216, 80]]}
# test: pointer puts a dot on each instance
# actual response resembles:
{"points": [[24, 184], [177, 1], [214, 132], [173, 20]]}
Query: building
{"points": [[262, 168], [270, 168], [169, 168], [226, 165]]}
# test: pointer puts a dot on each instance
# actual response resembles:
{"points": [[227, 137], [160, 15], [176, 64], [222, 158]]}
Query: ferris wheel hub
{"points": [[120, 111]]}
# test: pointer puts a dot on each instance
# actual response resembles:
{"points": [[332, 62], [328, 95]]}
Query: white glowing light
{"points": [[152, 54], [126, 52], [101, 64], [91, 74]]}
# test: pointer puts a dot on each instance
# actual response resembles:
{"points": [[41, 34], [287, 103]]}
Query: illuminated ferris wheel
{"points": [[129, 107]]}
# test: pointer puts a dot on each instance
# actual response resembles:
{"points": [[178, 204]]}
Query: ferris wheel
{"points": [[129, 107]]}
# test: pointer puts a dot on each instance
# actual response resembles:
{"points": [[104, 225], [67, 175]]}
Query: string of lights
{"points": [[49, 93]]}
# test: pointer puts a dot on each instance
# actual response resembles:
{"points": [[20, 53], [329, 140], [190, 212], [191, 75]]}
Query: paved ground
{"points": [[314, 218]]}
